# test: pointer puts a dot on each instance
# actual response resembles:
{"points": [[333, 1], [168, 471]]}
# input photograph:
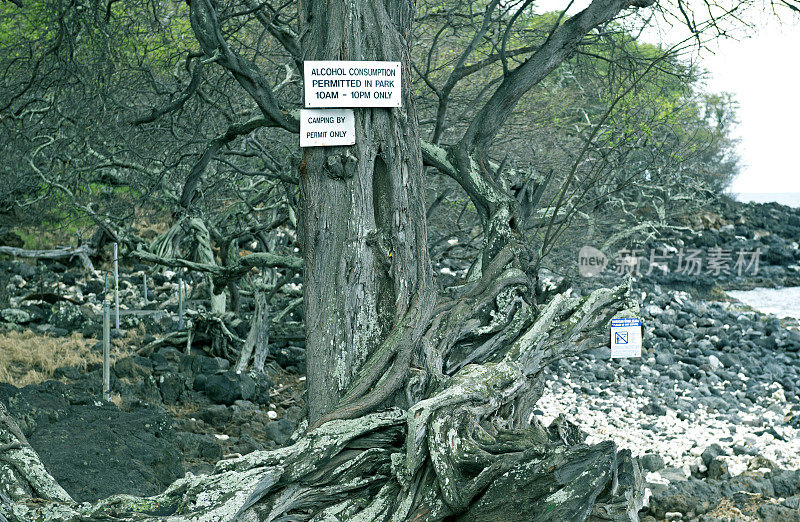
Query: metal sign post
{"points": [[116, 287], [106, 351], [180, 303]]}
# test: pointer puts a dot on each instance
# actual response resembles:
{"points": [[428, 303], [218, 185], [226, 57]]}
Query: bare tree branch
{"points": [[205, 23], [157, 112], [561, 44]]}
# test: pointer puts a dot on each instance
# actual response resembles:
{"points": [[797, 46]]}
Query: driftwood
{"points": [[468, 447], [222, 275], [256, 345], [83, 252], [179, 340]]}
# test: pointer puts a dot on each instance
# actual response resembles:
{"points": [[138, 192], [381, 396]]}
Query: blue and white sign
{"points": [[626, 337]]}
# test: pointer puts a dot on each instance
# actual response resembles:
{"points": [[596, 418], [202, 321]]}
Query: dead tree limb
{"points": [[452, 453], [82, 252]]}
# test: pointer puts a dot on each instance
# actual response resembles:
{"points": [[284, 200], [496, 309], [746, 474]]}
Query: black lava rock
{"points": [[171, 387], [652, 462], [203, 364], [215, 415], [279, 431], [225, 388]]}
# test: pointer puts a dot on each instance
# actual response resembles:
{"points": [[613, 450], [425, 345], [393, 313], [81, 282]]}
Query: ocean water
{"points": [[791, 199], [782, 302]]}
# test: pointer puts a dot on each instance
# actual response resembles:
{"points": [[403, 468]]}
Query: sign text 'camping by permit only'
{"points": [[626, 337], [351, 84], [327, 127]]}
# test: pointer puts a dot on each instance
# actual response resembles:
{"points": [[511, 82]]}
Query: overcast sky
{"points": [[762, 71]]}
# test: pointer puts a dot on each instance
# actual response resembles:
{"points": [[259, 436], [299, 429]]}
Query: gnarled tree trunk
{"points": [[458, 451], [420, 407], [367, 272]]}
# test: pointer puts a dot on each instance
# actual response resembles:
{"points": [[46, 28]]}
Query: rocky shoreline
{"points": [[713, 400], [728, 229], [712, 407]]}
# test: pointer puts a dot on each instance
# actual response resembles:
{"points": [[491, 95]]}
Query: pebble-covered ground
{"points": [[714, 396], [712, 407]]}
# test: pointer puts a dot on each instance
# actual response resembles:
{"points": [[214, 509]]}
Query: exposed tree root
{"points": [[455, 452]]}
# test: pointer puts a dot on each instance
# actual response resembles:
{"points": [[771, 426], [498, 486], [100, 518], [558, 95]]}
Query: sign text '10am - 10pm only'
{"points": [[341, 84], [352, 84]]}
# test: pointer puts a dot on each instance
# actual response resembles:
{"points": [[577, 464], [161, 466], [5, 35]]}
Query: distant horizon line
{"points": [[791, 199], [768, 192]]}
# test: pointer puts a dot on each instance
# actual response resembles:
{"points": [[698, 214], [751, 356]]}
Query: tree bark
{"points": [[362, 217], [453, 453], [257, 343], [418, 410]]}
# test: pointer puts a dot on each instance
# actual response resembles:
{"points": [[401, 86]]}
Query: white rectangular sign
{"points": [[352, 84], [327, 127], [626, 337]]}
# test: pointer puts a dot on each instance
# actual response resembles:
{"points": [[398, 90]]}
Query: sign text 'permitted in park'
{"points": [[352, 84], [327, 127]]}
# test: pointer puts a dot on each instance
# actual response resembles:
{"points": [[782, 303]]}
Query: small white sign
{"points": [[327, 127], [352, 84], [626, 337]]}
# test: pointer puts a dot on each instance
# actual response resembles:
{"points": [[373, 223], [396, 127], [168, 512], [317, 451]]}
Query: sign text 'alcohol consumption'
{"points": [[352, 84]]}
